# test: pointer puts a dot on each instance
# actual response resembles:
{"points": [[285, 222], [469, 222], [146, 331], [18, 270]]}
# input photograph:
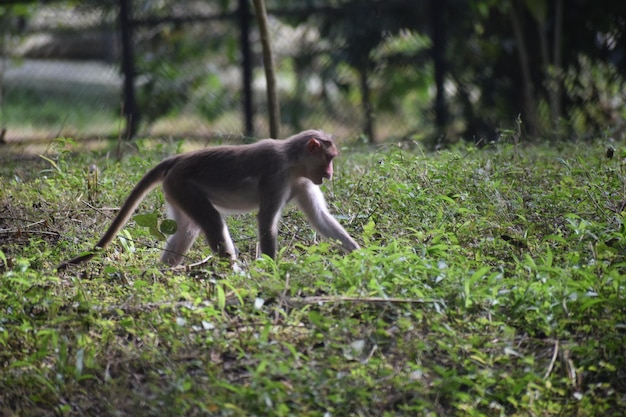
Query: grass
{"points": [[491, 283], [31, 109]]}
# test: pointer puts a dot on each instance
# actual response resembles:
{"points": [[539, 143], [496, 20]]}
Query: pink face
{"points": [[325, 151], [329, 170]]}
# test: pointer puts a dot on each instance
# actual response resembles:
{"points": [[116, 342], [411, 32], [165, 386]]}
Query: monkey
{"points": [[199, 186]]}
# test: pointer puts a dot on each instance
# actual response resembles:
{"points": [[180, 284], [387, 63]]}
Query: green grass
{"points": [[503, 273], [32, 110]]}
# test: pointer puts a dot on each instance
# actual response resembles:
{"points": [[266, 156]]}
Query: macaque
{"points": [[264, 176]]}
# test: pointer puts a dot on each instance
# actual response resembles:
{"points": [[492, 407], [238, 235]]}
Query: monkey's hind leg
{"points": [[179, 243], [199, 211], [217, 234]]}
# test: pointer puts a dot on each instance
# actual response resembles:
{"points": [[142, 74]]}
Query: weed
{"points": [[491, 282]]}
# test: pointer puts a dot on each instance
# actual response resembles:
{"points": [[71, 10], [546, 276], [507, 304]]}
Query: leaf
{"points": [[140, 283], [221, 297], [168, 227], [317, 319], [146, 220], [127, 241], [78, 367], [538, 9], [479, 274], [262, 367], [354, 350], [110, 270], [368, 231], [51, 162], [154, 231]]}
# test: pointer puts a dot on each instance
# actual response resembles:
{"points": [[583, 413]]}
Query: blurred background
{"points": [[435, 71]]}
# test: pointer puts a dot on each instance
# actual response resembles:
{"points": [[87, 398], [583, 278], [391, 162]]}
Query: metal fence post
{"points": [[130, 109], [439, 61], [246, 66]]}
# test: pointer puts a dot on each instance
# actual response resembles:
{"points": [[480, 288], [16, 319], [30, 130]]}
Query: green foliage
{"points": [[183, 66], [491, 282], [156, 228], [339, 63], [596, 89]]}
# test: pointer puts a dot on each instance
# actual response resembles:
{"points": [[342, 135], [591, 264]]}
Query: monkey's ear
{"points": [[313, 145]]}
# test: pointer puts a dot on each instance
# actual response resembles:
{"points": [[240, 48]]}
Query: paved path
{"points": [[81, 72]]}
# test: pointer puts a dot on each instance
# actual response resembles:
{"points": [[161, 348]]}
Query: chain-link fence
{"points": [[61, 72], [58, 72], [380, 68]]}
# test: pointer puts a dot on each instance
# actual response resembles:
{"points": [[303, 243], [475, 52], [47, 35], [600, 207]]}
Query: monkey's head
{"points": [[320, 153]]}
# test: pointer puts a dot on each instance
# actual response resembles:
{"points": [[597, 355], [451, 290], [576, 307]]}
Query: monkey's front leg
{"points": [[311, 201], [268, 230]]}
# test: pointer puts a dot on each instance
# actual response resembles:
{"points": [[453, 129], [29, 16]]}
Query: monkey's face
{"points": [[320, 154]]}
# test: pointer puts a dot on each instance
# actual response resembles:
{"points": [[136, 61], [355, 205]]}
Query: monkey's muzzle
{"points": [[328, 173]]}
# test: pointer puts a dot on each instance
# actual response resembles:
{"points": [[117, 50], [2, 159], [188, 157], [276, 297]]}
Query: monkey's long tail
{"points": [[149, 181]]}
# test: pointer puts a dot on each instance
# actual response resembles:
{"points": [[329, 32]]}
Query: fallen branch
{"points": [[26, 229], [300, 301], [553, 360]]}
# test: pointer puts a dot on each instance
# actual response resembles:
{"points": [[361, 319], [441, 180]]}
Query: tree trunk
{"points": [[529, 114], [130, 109], [555, 73], [438, 53], [270, 72], [367, 105], [246, 68], [551, 64]]}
